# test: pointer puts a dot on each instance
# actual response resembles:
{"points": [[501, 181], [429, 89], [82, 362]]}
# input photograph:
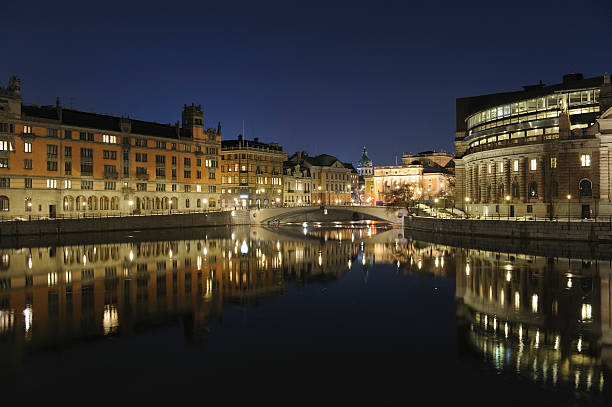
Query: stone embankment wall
{"points": [[100, 225], [591, 231]]}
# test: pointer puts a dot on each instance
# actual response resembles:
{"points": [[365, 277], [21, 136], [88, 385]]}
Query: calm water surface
{"points": [[301, 316]]}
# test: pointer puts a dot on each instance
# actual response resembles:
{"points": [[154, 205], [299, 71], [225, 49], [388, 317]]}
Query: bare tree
{"points": [[402, 196]]}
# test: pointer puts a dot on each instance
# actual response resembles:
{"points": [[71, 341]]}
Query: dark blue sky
{"points": [[325, 77]]}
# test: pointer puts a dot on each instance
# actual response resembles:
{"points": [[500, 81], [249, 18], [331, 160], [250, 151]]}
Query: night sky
{"points": [[325, 77]]}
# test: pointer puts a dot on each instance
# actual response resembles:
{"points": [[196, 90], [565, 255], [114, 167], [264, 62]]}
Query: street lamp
{"points": [[508, 201], [568, 209], [130, 202], [467, 201], [436, 200]]}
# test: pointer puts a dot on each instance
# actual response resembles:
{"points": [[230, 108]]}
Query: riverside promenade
{"points": [[599, 230]]}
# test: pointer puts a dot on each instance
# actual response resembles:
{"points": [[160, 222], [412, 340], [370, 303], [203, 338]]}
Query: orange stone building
{"points": [[63, 162]]}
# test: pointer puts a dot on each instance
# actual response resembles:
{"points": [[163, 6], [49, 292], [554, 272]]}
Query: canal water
{"points": [[339, 315]]}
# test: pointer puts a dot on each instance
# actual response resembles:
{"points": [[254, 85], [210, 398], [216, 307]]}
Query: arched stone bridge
{"points": [[326, 214]]}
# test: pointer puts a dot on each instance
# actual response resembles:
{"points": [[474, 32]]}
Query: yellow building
{"points": [[251, 173], [297, 184], [63, 162], [426, 181], [331, 179]]}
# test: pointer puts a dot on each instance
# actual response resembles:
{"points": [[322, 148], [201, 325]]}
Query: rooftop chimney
{"points": [[572, 77]]}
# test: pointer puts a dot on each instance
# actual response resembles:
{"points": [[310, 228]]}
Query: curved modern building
{"points": [[542, 151]]}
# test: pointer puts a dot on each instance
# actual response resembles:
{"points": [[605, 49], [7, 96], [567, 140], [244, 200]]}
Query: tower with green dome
{"points": [[364, 166]]}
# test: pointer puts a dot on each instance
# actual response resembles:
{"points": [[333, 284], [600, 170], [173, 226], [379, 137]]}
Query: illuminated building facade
{"points": [[542, 151], [331, 179], [63, 162], [425, 178], [297, 184], [251, 173]]}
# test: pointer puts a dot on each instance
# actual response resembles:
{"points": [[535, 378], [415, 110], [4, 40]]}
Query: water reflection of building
{"points": [[540, 317], [64, 293]]}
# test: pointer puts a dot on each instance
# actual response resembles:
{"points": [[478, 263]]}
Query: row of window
{"points": [[253, 180], [250, 167], [108, 185], [108, 138], [255, 157], [585, 161], [551, 102], [549, 133], [585, 189]]}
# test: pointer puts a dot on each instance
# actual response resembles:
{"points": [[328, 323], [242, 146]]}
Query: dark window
{"points": [[586, 188], [27, 164], [68, 134], [515, 190]]}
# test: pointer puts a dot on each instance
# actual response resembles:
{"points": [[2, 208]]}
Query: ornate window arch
{"points": [[585, 187], [516, 191], [533, 189]]}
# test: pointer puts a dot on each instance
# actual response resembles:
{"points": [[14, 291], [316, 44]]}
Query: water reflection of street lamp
{"points": [[508, 203]]}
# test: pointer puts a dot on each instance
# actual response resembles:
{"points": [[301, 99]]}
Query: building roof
{"points": [[468, 105], [96, 121], [243, 143]]}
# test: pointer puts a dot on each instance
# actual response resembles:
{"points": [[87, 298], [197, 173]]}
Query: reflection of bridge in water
{"points": [[300, 214], [60, 294]]}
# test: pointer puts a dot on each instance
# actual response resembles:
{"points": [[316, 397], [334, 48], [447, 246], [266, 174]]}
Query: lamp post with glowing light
{"points": [[467, 201], [508, 203], [569, 197], [130, 202], [436, 200]]}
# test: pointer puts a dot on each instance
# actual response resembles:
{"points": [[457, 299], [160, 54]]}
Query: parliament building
{"points": [[543, 151]]}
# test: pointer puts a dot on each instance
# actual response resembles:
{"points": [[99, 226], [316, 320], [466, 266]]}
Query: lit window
{"points": [[52, 183], [553, 162], [533, 164], [67, 184], [501, 166], [489, 168], [515, 165], [27, 147], [585, 160], [4, 145], [109, 139], [198, 188]]}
